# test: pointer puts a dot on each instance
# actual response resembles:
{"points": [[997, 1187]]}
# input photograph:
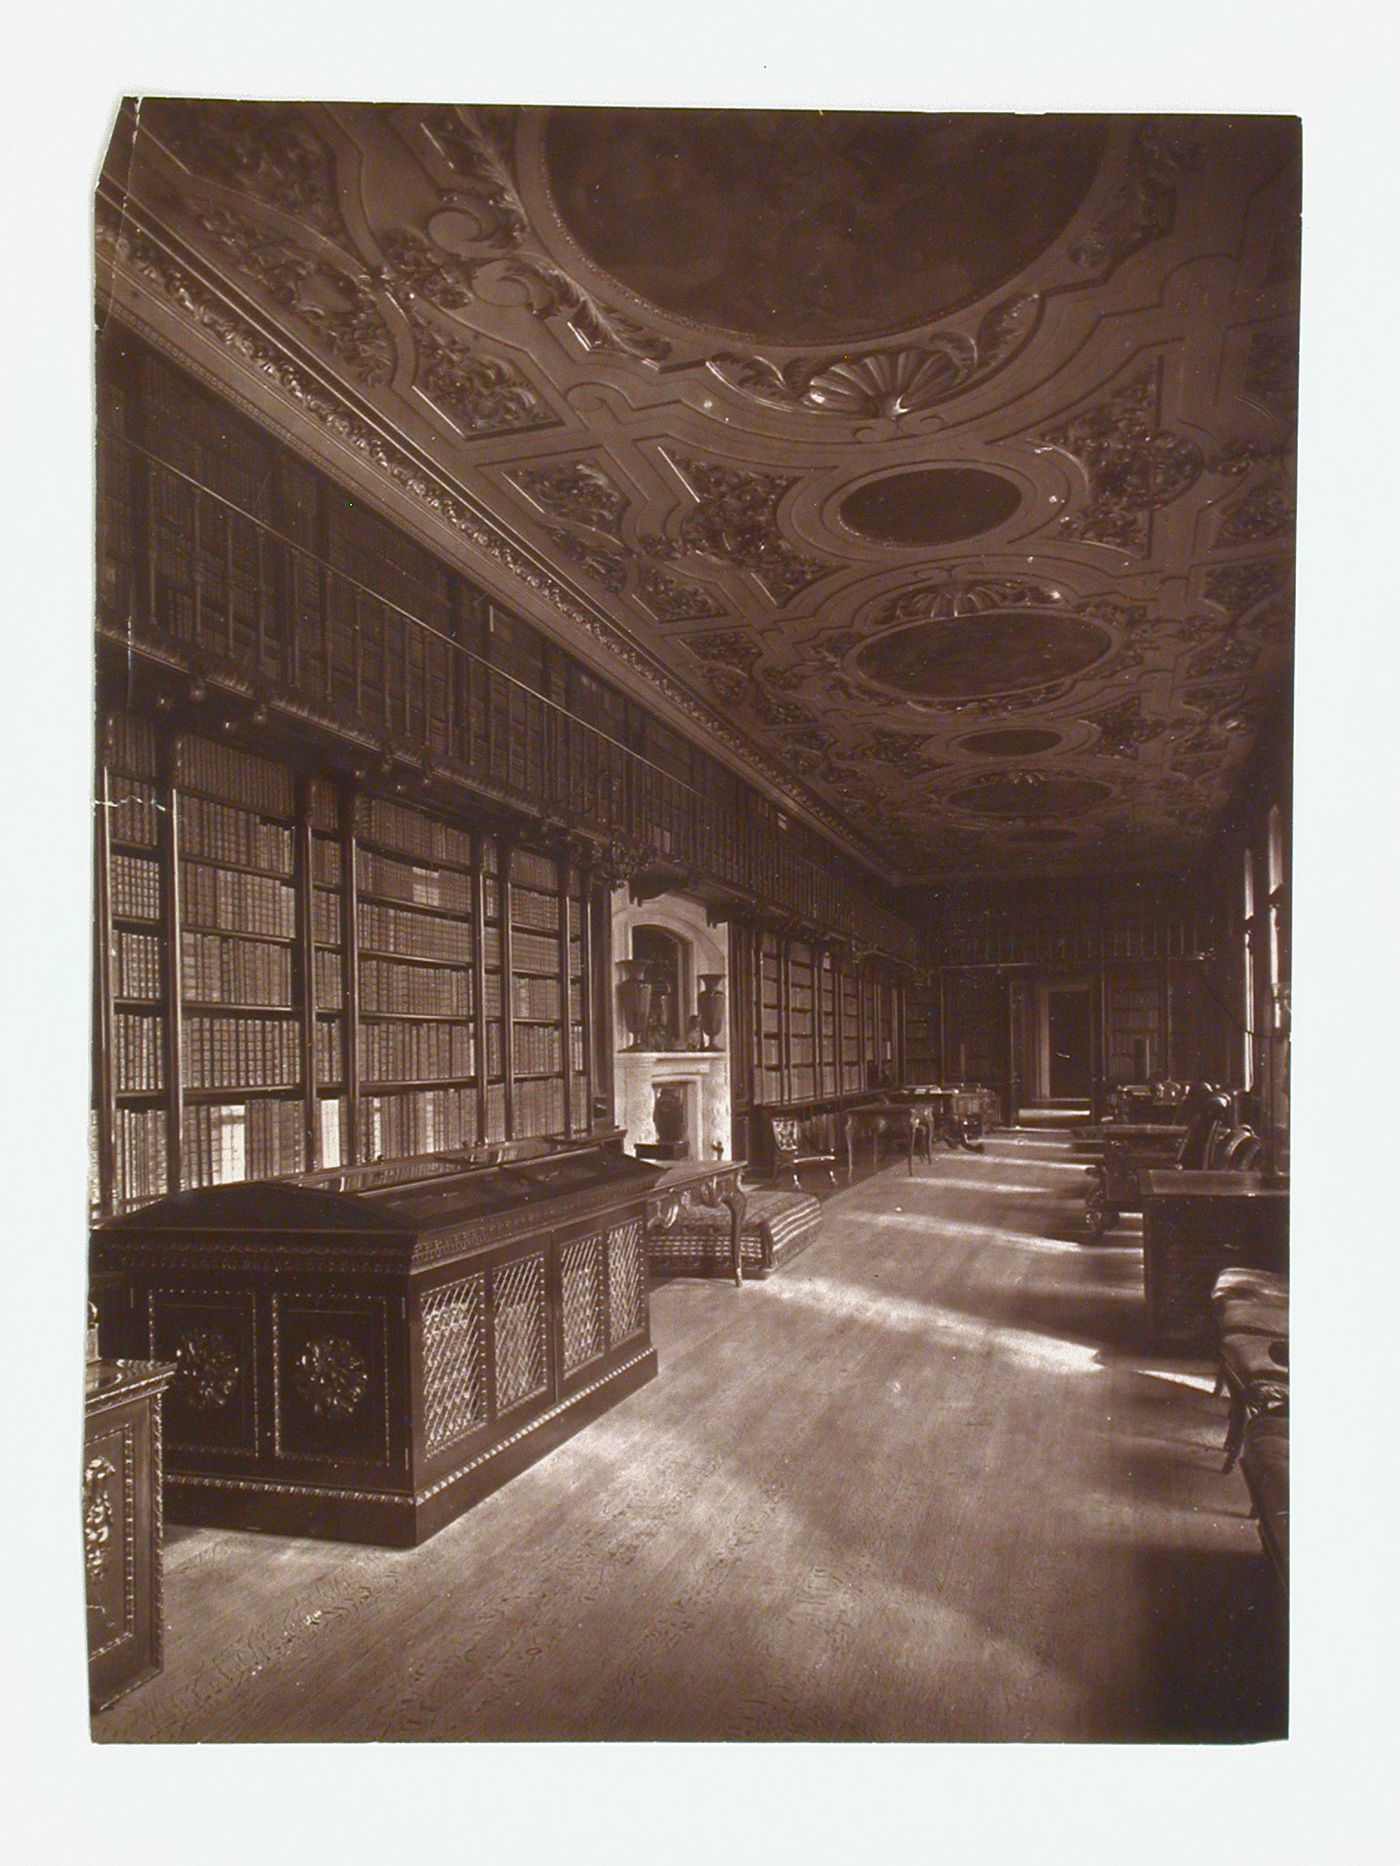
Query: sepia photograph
{"points": [[680, 951], [693, 874]]}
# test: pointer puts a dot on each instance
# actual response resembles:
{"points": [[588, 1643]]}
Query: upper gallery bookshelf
{"points": [[221, 551]]}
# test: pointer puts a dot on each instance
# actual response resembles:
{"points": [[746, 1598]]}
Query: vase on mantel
{"points": [[634, 997], [709, 1006]]}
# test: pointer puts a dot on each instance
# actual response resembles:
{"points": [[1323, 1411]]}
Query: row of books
{"points": [[416, 1052], [415, 1121], [222, 833], [539, 1107], [410, 832], [234, 776], [138, 1053], [399, 990], [326, 865], [529, 870], [535, 997], [193, 431], [329, 1067], [443, 888], [330, 982], [130, 744], [537, 1048], [414, 936], [226, 1142], [539, 911], [136, 964], [216, 970], [327, 924], [134, 811], [242, 1052], [142, 1154], [135, 885], [532, 953], [235, 902]]}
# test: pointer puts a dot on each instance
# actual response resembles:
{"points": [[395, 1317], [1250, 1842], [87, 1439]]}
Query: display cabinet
{"points": [[364, 1352]]}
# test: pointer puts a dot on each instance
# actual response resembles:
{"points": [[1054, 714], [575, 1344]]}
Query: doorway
{"points": [[1070, 1030]]}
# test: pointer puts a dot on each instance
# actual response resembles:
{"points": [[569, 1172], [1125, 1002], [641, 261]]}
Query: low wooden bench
{"points": [[774, 1227]]}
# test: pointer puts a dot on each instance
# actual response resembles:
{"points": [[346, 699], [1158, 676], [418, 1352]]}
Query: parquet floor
{"points": [[929, 1482]]}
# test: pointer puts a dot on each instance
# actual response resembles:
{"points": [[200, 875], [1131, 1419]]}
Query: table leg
{"points": [[737, 1201]]}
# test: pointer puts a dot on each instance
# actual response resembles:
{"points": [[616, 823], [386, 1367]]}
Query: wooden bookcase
{"points": [[293, 973]]}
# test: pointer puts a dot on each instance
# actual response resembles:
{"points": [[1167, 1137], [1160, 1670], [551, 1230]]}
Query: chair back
{"points": [[1239, 1151], [787, 1132], [1212, 1112]]}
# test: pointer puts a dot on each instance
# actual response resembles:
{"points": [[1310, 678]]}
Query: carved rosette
{"points": [[1132, 465], [671, 600], [735, 520], [332, 1377], [483, 394], [207, 1370], [575, 490]]}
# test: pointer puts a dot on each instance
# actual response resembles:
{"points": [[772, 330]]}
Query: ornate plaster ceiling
{"points": [[940, 468]]}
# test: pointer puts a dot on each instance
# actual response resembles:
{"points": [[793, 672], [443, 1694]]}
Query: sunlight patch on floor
{"points": [[939, 1227], [944, 1328]]}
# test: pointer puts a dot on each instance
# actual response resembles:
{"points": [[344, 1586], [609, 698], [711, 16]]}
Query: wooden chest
{"points": [[362, 1354]]}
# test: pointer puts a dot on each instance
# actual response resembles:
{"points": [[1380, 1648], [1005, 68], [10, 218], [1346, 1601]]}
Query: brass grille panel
{"points": [[627, 1296], [521, 1338], [583, 1302], [454, 1360]]}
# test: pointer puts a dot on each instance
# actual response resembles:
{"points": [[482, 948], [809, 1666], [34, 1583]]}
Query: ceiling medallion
{"points": [[1010, 742], [969, 641], [930, 505], [814, 228], [1028, 795]]}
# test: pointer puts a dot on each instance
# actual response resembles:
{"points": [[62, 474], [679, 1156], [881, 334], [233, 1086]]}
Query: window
{"points": [[1248, 905]]}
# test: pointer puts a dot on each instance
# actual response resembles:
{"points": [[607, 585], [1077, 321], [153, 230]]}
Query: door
{"points": [[1071, 1073]]}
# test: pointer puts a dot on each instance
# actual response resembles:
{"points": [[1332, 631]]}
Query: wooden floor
{"points": [[929, 1482]]}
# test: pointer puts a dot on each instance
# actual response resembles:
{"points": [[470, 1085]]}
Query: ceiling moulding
{"points": [[150, 281]]}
